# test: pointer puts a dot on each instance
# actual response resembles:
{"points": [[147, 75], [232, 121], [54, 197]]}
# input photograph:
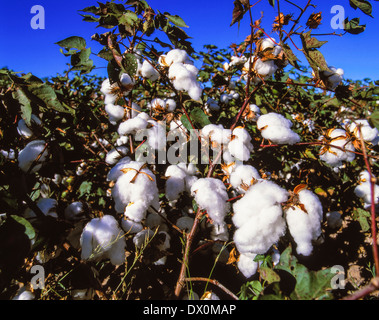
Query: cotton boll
{"points": [[156, 135], [164, 245], [114, 155], [363, 189], [333, 77], [236, 61], [148, 71], [130, 226], [247, 265], [175, 183], [265, 68], [26, 131], [131, 126], [216, 133], [126, 81], [177, 56], [195, 91], [142, 238], [273, 119], [24, 294], [210, 194], [170, 105], [102, 238], [243, 177], [239, 150], [212, 105], [305, 226], [116, 172], [115, 113], [334, 157], [368, 133], [134, 191], [48, 207], [280, 135], [30, 153]]}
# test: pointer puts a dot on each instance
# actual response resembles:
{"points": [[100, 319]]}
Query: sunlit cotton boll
{"points": [[175, 56], [26, 131], [258, 217], [116, 172], [114, 155], [242, 177], [134, 191], [246, 264], [334, 77], [102, 238], [28, 156], [148, 71], [305, 225], [369, 134], [210, 194], [115, 113], [363, 189], [277, 129], [132, 126]]}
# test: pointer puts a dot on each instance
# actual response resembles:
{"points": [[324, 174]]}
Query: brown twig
{"points": [[214, 282], [373, 286]]}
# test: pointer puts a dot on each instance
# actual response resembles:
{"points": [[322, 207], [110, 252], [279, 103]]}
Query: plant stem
{"points": [[214, 282]]}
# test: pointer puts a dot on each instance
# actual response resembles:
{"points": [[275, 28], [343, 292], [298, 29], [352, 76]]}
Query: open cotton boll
{"points": [[156, 135], [195, 91], [363, 189], [134, 191], [236, 61], [116, 172], [334, 156], [131, 126], [114, 155], [261, 230], [148, 71], [126, 81], [239, 150], [243, 177], [177, 56], [334, 77], [170, 105], [26, 131], [368, 133], [143, 237], [258, 197], [48, 207], [211, 105], [305, 226], [163, 246], [115, 113], [273, 119], [280, 135], [175, 184], [24, 294], [130, 226], [216, 133], [210, 194], [102, 238], [265, 68], [246, 264], [29, 155]]}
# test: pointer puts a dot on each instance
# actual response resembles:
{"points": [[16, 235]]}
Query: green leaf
{"points": [[72, 42], [128, 18], [363, 218], [85, 188], [268, 274], [130, 64], [363, 5], [47, 95], [26, 108], [29, 230], [374, 119], [198, 116], [353, 26], [175, 19]]}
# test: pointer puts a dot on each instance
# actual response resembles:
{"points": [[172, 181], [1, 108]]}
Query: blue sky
{"points": [[26, 50]]}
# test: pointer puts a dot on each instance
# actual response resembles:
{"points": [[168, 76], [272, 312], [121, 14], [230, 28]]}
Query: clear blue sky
{"points": [[27, 50]]}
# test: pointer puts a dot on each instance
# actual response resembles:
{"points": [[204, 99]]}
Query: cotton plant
{"points": [[277, 129], [363, 189], [102, 238], [239, 147], [333, 156], [33, 156], [259, 222], [115, 154], [112, 91], [304, 216], [148, 71], [242, 177], [369, 134]]}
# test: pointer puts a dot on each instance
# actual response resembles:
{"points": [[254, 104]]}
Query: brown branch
{"points": [[214, 282], [373, 213], [373, 286]]}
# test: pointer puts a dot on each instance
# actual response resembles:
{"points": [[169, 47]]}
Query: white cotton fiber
{"points": [[115, 113], [210, 195], [305, 226], [363, 189], [48, 207], [148, 71], [26, 131], [102, 238], [30, 153], [242, 177], [134, 191], [114, 155], [247, 265]]}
